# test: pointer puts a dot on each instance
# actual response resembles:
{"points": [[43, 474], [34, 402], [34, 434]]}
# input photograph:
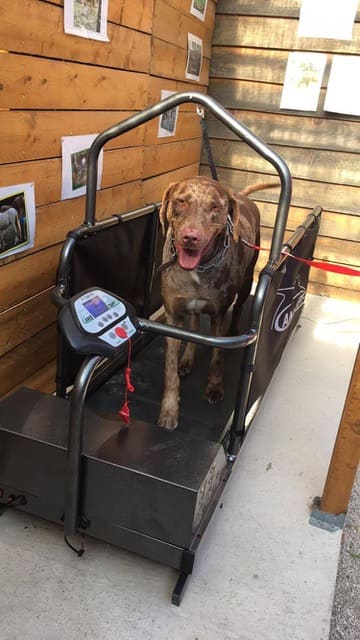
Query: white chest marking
{"points": [[196, 306], [195, 277]]}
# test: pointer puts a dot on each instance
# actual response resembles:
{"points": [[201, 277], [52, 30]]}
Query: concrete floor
{"points": [[262, 571]]}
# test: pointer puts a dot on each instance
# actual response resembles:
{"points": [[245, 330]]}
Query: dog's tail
{"points": [[258, 187]]}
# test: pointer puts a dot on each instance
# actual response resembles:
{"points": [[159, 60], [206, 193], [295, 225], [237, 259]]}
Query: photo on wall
{"points": [[194, 58], [168, 120], [74, 165], [86, 18], [198, 8], [17, 218]]}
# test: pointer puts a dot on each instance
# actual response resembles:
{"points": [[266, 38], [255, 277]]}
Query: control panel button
{"points": [[120, 332]]}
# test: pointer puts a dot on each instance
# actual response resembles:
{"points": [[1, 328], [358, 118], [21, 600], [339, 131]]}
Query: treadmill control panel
{"points": [[97, 322]]}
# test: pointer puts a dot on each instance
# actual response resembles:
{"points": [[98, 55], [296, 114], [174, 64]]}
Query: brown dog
{"points": [[205, 265]]}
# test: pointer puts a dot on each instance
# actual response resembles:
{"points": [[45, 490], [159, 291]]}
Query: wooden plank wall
{"points": [[55, 84], [251, 44]]}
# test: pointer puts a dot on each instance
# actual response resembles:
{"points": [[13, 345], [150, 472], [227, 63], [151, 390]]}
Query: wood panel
{"points": [[324, 280], [293, 130], [260, 7], [336, 225], [248, 64], [157, 84], [122, 12], [153, 188], [140, 19], [256, 96], [251, 45], [32, 135], [188, 126], [282, 8], [311, 164], [31, 83], [27, 358], [305, 193], [276, 33], [170, 60], [27, 276], [164, 158], [56, 219], [128, 49], [21, 322], [120, 165], [173, 27]]}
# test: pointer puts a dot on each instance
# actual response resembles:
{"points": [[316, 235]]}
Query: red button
{"points": [[120, 332]]}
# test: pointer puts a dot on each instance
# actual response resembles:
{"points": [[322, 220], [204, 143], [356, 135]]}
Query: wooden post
{"points": [[346, 453]]}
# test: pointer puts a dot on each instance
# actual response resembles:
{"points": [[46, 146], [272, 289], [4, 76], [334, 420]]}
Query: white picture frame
{"points": [[86, 18], [168, 120], [17, 218], [198, 8], [194, 57], [74, 165]]}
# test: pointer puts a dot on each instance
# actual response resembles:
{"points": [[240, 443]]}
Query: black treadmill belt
{"points": [[197, 417]]}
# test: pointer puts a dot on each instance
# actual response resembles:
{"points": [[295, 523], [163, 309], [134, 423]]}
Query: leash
{"points": [[313, 262], [206, 142]]}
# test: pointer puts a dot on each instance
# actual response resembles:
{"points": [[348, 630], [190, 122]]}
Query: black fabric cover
{"points": [[283, 307]]}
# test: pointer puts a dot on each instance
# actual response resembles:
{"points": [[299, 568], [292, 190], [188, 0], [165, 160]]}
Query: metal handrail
{"points": [[226, 118]]}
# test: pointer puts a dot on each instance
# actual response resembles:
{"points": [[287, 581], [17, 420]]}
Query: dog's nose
{"points": [[190, 235]]}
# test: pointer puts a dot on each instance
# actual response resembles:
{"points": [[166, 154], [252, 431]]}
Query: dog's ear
{"points": [[234, 213], [164, 205]]}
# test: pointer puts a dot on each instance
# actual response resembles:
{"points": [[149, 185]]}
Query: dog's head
{"points": [[197, 210]]}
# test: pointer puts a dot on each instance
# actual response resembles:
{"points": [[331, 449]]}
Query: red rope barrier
{"points": [[317, 264]]}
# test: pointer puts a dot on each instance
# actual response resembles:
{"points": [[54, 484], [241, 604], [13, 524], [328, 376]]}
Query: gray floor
{"points": [[262, 571]]}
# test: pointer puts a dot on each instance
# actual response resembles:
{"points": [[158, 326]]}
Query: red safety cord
{"points": [[124, 412]]}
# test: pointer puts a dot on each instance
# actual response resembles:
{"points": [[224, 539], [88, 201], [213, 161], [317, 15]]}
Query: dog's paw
{"points": [[167, 419], [185, 368], [214, 392]]}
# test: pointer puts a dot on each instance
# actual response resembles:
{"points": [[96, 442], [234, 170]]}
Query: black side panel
{"points": [[123, 259], [117, 259], [283, 307]]}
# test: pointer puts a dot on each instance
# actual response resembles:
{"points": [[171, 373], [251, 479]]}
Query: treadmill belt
{"points": [[197, 417]]}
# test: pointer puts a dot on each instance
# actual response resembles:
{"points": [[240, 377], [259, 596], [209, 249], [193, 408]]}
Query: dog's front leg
{"points": [[169, 411], [187, 358], [215, 386]]}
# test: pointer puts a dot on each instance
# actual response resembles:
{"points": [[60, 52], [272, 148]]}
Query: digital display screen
{"points": [[96, 306]]}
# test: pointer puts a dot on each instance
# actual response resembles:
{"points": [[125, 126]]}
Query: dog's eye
{"points": [[180, 201]]}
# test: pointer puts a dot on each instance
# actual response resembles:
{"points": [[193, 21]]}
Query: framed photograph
{"points": [[74, 165], [17, 218], [194, 58], [198, 8], [168, 120], [86, 18]]}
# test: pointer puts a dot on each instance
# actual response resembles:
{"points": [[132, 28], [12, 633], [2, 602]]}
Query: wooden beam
{"points": [[346, 453]]}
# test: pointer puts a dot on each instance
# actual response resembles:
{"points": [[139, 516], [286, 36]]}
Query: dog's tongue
{"points": [[189, 258]]}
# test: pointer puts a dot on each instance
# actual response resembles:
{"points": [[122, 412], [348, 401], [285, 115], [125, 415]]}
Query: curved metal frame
{"points": [[226, 118]]}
